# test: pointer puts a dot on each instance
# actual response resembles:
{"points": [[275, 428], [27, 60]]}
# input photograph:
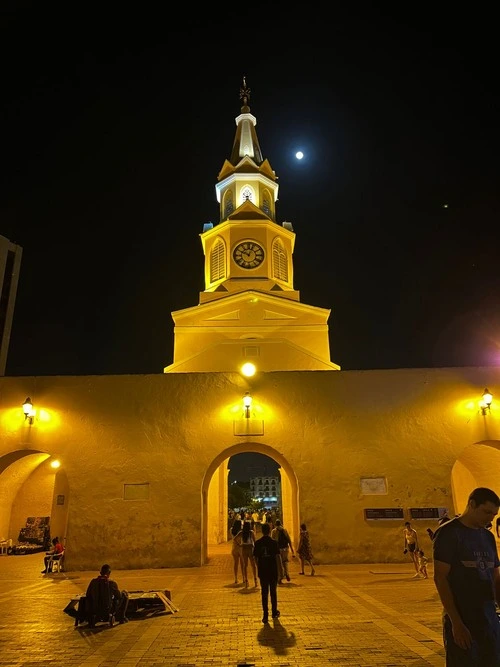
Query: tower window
{"points": [[247, 194], [280, 261], [266, 207], [218, 261], [228, 204]]}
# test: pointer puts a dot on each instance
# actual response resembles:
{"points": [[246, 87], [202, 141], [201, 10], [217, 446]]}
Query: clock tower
{"points": [[249, 309]]}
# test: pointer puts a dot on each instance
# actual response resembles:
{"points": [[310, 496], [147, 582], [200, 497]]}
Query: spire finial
{"points": [[244, 94]]}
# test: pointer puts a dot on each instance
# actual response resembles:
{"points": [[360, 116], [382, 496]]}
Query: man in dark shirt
{"points": [[104, 597], [467, 578], [267, 552]]}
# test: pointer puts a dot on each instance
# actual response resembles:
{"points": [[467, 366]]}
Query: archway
{"points": [[214, 494], [478, 465], [31, 487]]}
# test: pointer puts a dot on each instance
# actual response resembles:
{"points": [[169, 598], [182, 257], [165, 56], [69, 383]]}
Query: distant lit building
{"points": [[10, 262], [266, 489]]}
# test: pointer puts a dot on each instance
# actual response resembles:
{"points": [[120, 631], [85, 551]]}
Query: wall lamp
{"points": [[29, 413], [486, 400], [247, 404]]}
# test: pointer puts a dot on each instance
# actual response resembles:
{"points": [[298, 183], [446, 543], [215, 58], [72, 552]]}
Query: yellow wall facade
{"points": [[163, 441]]}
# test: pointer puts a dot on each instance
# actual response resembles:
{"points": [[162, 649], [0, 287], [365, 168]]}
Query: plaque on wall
{"points": [[373, 486], [384, 513], [428, 512], [60, 500]]}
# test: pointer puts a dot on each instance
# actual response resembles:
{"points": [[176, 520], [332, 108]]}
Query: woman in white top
{"points": [[246, 541]]}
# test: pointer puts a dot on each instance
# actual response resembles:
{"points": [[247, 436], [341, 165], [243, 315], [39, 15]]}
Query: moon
{"points": [[299, 155]]}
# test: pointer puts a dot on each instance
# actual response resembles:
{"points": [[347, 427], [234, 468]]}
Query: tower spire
{"points": [[245, 96]]}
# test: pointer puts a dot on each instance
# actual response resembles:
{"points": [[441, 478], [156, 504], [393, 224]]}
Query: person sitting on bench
{"points": [[55, 554], [105, 600]]}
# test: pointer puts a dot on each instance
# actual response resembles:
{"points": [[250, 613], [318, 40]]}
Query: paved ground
{"points": [[346, 615]]}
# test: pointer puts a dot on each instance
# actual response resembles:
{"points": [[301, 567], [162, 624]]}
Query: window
{"points": [[228, 204], [247, 194], [218, 261], [266, 207], [280, 262]]}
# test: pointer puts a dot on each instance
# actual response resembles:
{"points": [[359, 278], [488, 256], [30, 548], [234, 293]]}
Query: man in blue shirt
{"points": [[467, 578]]}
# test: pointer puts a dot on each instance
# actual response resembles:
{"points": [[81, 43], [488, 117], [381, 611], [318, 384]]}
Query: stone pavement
{"points": [[346, 615]]}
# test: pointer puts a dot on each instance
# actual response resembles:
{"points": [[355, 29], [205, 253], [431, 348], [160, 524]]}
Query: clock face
{"points": [[248, 254]]}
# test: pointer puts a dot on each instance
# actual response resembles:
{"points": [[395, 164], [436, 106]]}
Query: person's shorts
{"points": [[412, 547]]}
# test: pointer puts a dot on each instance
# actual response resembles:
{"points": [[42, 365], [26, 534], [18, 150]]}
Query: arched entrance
{"points": [[214, 494], [478, 465], [31, 487]]}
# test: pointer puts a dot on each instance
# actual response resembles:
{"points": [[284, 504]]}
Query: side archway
{"points": [[478, 465], [30, 487], [214, 507]]}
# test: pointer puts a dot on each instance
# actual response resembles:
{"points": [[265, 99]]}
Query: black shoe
{"points": [[287, 578], [276, 614], [124, 620], [265, 619], [44, 572]]}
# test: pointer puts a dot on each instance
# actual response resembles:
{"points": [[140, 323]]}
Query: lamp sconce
{"points": [[29, 413], [247, 404], [486, 400]]}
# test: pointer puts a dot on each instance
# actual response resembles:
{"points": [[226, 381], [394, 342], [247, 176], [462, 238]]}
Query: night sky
{"points": [[114, 132]]}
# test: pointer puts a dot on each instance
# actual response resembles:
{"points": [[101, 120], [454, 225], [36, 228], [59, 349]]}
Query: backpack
{"points": [[282, 538]]}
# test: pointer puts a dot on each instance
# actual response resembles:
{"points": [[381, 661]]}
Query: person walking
{"points": [[411, 545], [304, 550], [280, 534], [235, 549], [267, 555], [467, 579], [246, 542]]}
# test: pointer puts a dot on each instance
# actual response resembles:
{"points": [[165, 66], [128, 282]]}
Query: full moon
{"points": [[299, 155]]}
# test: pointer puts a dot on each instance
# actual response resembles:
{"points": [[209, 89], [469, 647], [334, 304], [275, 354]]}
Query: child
{"points": [[422, 564]]}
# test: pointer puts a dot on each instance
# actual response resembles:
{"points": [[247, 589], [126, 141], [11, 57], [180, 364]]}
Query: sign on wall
{"points": [[373, 486], [428, 512], [384, 513]]}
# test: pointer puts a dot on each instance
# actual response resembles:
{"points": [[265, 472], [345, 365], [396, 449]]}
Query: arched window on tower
{"points": [[228, 204], [280, 261], [247, 194], [266, 203], [218, 261]]}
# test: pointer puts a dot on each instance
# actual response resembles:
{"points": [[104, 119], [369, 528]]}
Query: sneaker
{"points": [[276, 614], [416, 576], [265, 619]]}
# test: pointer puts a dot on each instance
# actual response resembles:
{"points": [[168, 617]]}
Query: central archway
{"points": [[214, 507]]}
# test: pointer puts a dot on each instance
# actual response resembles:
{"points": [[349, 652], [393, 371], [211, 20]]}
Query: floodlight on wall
{"points": [[29, 413], [486, 400], [247, 404]]}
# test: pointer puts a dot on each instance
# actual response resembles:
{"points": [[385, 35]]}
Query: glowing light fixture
{"points": [[55, 464], [247, 404], [486, 400], [29, 413], [248, 369]]}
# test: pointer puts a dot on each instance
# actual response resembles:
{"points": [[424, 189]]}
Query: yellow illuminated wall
{"points": [[169, 437]]}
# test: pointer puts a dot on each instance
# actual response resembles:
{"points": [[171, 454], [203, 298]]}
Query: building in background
{"points": [[266, 489], [10, 263]]}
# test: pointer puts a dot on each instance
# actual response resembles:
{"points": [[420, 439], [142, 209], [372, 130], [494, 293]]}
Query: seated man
{"points": [[54, 554], [104, 598]]}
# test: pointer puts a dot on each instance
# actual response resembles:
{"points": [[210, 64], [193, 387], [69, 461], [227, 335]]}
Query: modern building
{"points": [[144, 458], [10, 264]]}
